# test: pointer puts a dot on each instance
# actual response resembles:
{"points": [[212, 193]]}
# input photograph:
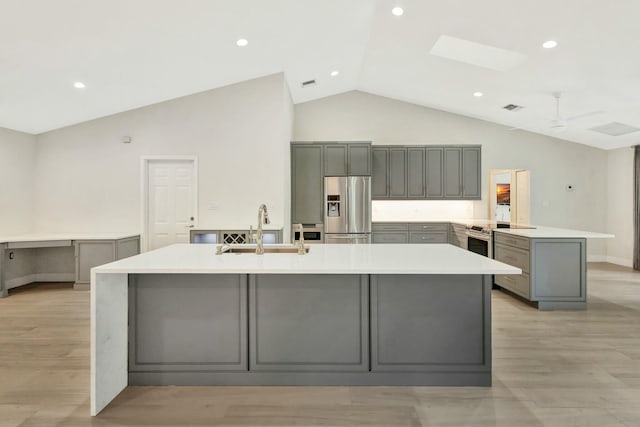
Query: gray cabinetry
{"points": [[187, 323], [404, 336], [92, 253], [553, 270], [458, 235], [307, 183], [390, 232], [410, 232], [232, 236], [335, 159], [426, 172], [309, 323], [341, 159], [452, 173], [434, 187], [359, 160], [471, 179], [416, 172], [379, 173]]}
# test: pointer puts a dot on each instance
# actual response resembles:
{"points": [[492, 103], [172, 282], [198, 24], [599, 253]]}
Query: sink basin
{"points": [[267, 250]]}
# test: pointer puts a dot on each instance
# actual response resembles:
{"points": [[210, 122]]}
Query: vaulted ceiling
{"points": [[131, 53]]}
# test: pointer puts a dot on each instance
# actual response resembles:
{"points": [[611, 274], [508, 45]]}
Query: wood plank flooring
{"points": [[560, 368]]}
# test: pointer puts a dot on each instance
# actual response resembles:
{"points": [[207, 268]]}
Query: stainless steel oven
{"points": [[312, 233], [479, 241]]}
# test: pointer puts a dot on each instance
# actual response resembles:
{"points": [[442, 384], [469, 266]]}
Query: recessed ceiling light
{"points": [[242, 42], [79, 85], [478, 94], [334, 73], [398, 11], [549, 44]]}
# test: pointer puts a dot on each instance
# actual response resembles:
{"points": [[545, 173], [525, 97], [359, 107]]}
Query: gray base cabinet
{"points": [[554, 271], [410, 232], [309, 323], [92, 253], [458, 235], [324, 329]]}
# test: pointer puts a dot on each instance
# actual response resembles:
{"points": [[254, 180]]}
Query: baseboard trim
{"points": [[620, 261], [596, 258]]}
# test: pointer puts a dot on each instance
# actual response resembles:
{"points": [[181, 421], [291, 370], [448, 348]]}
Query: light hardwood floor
{"points": [[557, 368]]}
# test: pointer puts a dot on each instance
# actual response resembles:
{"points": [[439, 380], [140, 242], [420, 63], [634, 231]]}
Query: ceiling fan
{"points": [[559, 123]]}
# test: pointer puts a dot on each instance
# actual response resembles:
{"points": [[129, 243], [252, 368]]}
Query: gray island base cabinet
{"points": [[304, 329], [554, 270]]}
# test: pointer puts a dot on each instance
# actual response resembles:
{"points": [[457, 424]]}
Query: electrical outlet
{"points": [[12, 255]]}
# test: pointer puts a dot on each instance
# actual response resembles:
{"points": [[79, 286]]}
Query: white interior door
{"points": [[171, 202]]}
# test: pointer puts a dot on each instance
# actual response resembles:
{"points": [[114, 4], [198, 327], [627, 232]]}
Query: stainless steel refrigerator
{"points": [[347, 204]]}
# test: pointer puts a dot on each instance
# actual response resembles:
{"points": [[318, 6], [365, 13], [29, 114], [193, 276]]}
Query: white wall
{"points": [[620, 206], [88, 180], [553, 162], [17, 158]]}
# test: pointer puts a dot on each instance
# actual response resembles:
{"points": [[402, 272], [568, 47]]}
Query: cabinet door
{"points": [[379, 173], [307, 183], [335, 160], [415, 173], [452, 173], [359, 159], [471, 173], [397, 173], [434, 162]]}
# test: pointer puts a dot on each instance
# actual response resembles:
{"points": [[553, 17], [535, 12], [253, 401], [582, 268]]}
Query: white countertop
{"points": [[321, 259], [551, 232], [41, 237]]}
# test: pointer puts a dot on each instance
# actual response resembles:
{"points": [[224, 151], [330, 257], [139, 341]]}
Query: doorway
{"points": [[509, 196], [169, 197]]}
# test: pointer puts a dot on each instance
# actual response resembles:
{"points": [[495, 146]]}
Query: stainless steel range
{"points": [[479, 239]]}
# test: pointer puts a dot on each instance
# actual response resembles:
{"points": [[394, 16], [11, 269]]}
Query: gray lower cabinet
{"points": [[187, 323], [307, 184], [458, 235], [553, 270], [404, 336], [233, 236], [92, 253], [309, 322], [410, 232], [310, 329]]}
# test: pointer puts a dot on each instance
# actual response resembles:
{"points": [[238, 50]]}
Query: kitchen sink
{"points": [[267, 250]]}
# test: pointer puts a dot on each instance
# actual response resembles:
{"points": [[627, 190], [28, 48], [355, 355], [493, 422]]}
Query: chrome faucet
{"points": [[300, 242], [263, 218]]}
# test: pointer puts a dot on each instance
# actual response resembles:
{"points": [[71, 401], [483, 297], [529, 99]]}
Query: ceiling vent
{"points": [[308, 83], [513, 107], [615, 129]]}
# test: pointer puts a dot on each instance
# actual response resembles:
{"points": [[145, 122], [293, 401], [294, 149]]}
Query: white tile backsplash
{"points": [[421, 210]]}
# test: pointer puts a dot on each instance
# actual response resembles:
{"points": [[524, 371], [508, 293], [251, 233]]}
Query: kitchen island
{"points": [[339, 315], [553, 263]]}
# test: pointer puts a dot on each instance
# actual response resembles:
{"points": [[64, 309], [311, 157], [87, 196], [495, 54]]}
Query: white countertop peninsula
{"points": [[542, 232], [413, 315]]}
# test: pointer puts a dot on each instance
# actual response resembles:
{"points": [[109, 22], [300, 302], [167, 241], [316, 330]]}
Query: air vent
{"points": [[615, 129], [513, 107], [308, 83]]}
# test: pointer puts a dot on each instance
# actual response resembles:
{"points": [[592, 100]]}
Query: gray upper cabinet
{"points": [[415, 172], [452, 173], [335, 160], [471, 180], [359, 161], [434, 161], [307, 183], [379, 172], [397, 173], [347, 159]]}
